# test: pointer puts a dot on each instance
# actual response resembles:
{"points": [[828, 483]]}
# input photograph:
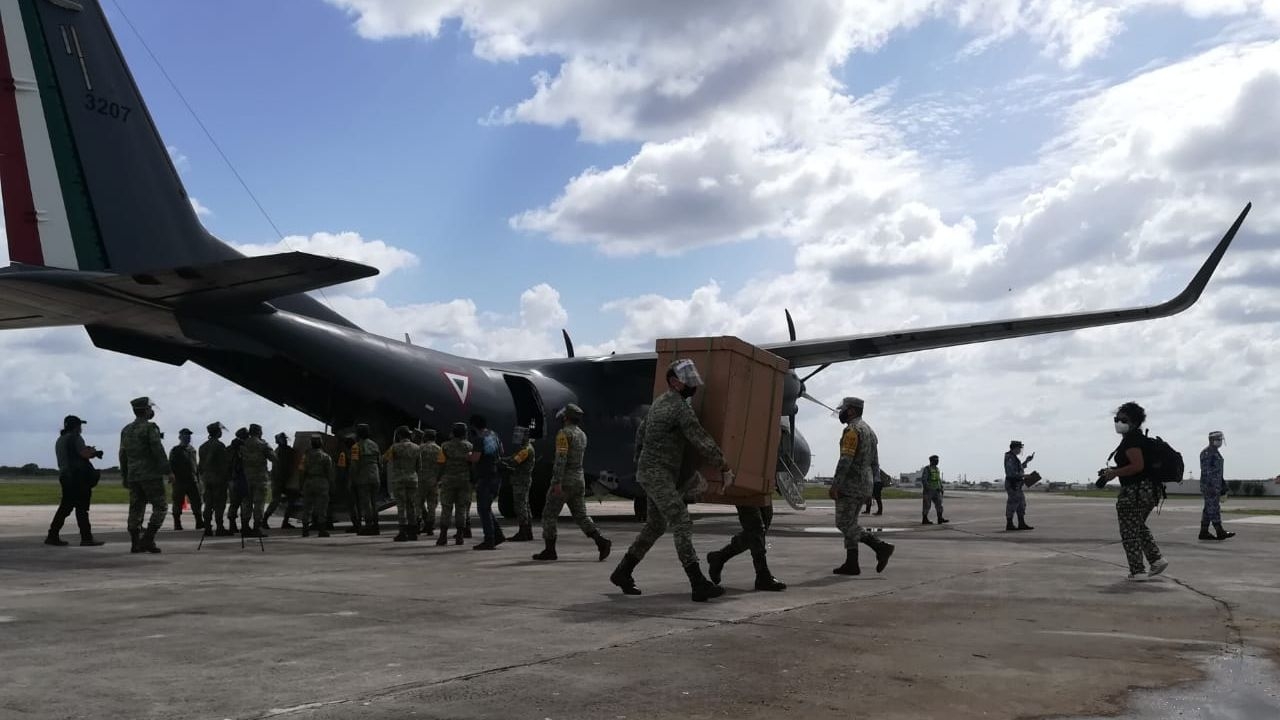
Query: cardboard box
{"points": [[740, 406]]}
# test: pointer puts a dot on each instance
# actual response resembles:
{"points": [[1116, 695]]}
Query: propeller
{"points": [[804, 393], [568, 344]]}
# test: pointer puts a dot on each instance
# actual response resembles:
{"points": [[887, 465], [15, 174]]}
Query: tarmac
{"points": [[968, 621]]}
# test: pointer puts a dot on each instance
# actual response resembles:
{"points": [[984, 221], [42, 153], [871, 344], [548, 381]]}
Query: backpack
{"points": [[1164, 464]]}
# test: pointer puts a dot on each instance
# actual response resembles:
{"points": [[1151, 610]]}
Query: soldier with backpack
{"points": [[1142, 472]]}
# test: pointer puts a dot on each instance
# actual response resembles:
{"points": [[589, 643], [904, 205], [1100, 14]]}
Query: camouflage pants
{"points": [[454, 500], [1212, 504], [251, 505], [932, 496], [1133, 506], [405, 493], [520, 499], [189, 490], [575, 496], [144, 492], [428, 499], [366, 503], [1017, 498], [666, 510], [215, 503], [236, 496], [315, 504], [847, 509]]}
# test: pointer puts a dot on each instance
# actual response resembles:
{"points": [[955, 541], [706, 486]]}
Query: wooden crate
{"points": [[740, 405]]}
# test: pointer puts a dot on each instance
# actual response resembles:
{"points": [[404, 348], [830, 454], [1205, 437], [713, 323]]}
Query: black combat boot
{"points": [[375, 528], [942, 520], [177, 522], [524, 534], [850, 566], [306, 529], [134, 545], [444, 537], [1222, 534], [86, 538], [621, 575], [1204, 532], [286, 525], [200, 523], [208, 531], [603, 544], [1008, 525], [882, 550], [323, 532], [703, 589], [550, 552], [717, 558], [148, 542], [765, 579], [1022, 523], [498, 537], [457, 537], [53, 539], [466, 529], [403, 535], [926, 521]]}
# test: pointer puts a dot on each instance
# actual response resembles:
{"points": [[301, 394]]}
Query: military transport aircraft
{"points": [[102, 234]]}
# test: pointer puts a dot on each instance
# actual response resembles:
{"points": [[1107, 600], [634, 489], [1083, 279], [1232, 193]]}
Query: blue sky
{"points": [[740, 143]]}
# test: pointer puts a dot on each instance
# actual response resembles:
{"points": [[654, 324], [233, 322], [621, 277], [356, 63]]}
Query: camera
{"points": [[98, 454], [1102, 481]]}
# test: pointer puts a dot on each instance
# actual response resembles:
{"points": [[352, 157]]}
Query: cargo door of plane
{"points": [[528, 404]]}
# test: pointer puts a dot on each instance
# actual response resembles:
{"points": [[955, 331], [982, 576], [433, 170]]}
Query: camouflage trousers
{"points": [[315, 504], [405, 493], [252, 504], [215, 503], [1212, 504], [847, 509], [428, 499], [1133, 506], [1016, 502], [366, 503], [666, 511], [575, 496], [190, 490], [144, 492], [520, 487], [455, 501]]}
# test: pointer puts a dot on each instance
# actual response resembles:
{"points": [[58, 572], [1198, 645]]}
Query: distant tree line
{"points": [[34, 470]]}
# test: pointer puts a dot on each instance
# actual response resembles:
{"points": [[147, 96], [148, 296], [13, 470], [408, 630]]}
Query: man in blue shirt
{"points": [[486, 452]]}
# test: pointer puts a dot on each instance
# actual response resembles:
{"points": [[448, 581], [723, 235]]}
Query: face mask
{"points": [[844, 416], [1122, 428], [688, 392], [1218, 443]]}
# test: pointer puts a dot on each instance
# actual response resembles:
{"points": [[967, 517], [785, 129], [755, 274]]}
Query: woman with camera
{"points": [[1139, 495]]}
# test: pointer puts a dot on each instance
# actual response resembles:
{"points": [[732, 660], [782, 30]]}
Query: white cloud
{"points": [[200, 209]]}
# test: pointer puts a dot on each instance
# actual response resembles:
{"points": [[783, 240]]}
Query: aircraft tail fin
{"points": [[88, 182]]}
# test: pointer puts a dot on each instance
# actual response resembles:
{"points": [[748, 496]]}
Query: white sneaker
{"points": [[1159, 566], [1138, 577]]}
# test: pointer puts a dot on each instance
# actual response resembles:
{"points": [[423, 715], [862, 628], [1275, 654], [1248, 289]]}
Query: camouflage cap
{"points": [[72, 420], [686, 372], [255, 429], [242, 433], [282, 436], [570, 411], [429, 434], [1216, 435], [460, 427], [184, 431], [215, 426], [1015, 443], [141, 403], [851, 402]]}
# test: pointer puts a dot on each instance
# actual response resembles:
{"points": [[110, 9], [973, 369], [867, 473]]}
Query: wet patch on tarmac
{"points": [[1240, 686]]}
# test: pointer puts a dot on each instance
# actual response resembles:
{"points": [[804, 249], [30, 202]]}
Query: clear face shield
{"points": [[519, 436], [1217, 439]]}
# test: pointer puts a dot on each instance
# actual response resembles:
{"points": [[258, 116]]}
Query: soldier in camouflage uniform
{"points": [[365, 479], [239, 489], [215, 472], [403, 460], [254, 454], [755, 522], [454, 461], [1212, 487], [186, 479], [428, 481], [1014, 487], [521, 464], [569, 485], [144, 465], [661, 439], [284, 482], [317, 477], [852, 485]]}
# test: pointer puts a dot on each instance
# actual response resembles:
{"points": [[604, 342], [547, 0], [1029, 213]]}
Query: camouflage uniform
{"points": [[402, 477], [859, 456], [1014, 488], [571, 445], [254, 454], [215, 471], [144, 464], [317, 476], [660, 444], [428, 484], [186, 483], [455, 485], [1211, 484], [521, 481], [364, 481]]}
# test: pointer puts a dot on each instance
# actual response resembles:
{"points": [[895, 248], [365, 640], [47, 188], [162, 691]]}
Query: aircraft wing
{"points": [[805, 353]]}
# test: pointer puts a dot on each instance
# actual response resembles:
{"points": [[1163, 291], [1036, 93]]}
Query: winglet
{"points": [[1192, 292]]}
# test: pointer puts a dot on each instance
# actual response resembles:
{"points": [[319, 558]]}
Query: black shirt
{"points": [[1132, 439]]}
